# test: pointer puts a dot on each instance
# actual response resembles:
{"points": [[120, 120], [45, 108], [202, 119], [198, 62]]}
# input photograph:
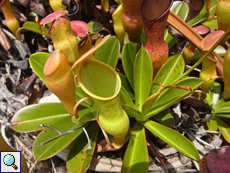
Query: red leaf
{"points": [[201, 29], [79, 28], [51, 17], [218, 161], [203, 166], [211, 39]]}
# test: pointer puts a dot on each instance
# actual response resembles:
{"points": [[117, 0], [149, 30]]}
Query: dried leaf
{"points": [[38, 8], [35, 95], [194, 102], [25, 3], [18, 14], [103, 146], [28, 82], [4, 41]]}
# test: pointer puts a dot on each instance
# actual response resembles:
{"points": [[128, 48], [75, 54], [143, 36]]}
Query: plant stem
{"points": [[205, 55]]}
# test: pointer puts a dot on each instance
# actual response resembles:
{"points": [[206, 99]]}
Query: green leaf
{"points": [[53, 147], [212, 9], [165, 118], [173, 138], [212, 125], [214, 94], [109, 52], [220, 50], [125, 98], [222, 107], [203, 15], [181, 9], [95, 27], [136, 156], [37, 62], [128, 57], [30, 117], [169, 73], [87, 114], [125, 84], [224, 128], [149, 102], [32, 26], [129, 107], [171, 96], [143, 37], [227, 115], [143, 74], [212, 24], [170, 40], [78, 160], [198, 19], [133, 112]]}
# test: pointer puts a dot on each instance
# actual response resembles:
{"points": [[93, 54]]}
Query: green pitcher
{"points": [[102, 83]]}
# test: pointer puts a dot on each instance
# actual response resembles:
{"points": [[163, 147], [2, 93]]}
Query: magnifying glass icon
{"points": [[9, 160]]}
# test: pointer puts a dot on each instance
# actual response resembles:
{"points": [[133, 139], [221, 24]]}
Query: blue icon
{"points": [[9, 160]]}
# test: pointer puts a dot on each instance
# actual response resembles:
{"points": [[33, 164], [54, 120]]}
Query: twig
{"points": [[43, 125], [18, 77], [31, 169], [200, 140], [60, 134], [87, 136], [53, 165], [25, 148], [196, 165], [154, 150]]}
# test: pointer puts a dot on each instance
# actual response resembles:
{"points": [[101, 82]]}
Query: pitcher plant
{"points": [[59, 79], [131, 20], [208, 71], [223, 14], [154, 15], [11, 22], [226, 94], [57, 5], [106, 95], [61, 33]]}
